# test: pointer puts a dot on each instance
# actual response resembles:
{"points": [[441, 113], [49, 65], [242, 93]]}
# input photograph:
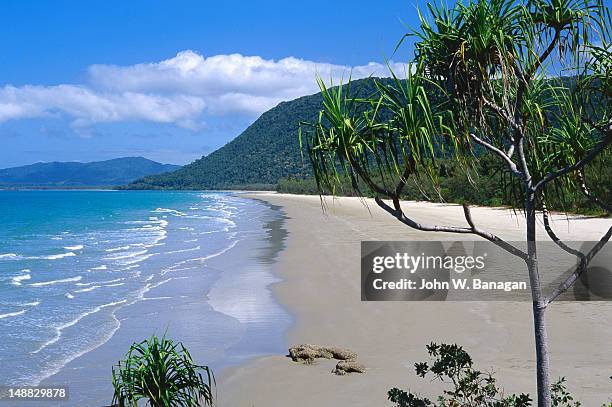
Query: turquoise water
{"points": [[72, 263]]}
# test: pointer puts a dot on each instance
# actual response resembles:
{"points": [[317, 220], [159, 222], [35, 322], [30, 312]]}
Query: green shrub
{"points": [[161, 372], [470, 387]]}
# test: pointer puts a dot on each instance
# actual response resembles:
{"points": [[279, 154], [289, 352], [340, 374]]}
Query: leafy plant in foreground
{"points": [[161, 372], [470, 387]]}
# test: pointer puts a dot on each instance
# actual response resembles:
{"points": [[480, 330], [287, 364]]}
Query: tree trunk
{"points": [[541, 343], [539, 307]]}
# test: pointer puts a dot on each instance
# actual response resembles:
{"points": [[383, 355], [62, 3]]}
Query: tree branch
{"points": [[587, 193], [553, 236], [501, 112], [579, 164], [490, 237], [404, 178], [398, 213], [511, 165], [525, 79], [580, 269], [373, 186]]}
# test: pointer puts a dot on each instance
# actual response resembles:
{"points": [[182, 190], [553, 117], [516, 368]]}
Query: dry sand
{"points": [[321, 271]]}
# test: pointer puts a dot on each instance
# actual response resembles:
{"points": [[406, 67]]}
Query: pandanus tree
{"points": [[527, 82], [161, 373]]}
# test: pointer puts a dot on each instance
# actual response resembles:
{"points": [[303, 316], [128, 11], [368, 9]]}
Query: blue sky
{"points": [[171, 81]]}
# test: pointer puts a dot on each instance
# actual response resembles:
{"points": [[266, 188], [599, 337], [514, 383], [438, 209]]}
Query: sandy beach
{"points": [[320, 272]]}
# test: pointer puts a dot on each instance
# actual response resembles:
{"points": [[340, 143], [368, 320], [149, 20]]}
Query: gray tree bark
{"points": [[539, 306]]}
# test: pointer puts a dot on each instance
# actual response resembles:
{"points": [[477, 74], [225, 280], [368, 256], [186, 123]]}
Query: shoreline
{"points": [[320, 287], [189, 303]]}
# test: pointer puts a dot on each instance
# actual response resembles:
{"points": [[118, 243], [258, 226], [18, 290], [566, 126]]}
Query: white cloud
{"points": [[230, 83], [178, 90], [86, 106]]}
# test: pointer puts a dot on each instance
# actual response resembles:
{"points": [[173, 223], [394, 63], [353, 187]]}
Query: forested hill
{"points": [[265, 152], [118, 171]]}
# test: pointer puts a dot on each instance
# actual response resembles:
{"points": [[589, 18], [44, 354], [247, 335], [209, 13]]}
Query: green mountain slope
{"points": [[119, 171], [265, 152]]}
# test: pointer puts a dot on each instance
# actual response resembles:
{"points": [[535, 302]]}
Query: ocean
{"points": [[83, 274]]}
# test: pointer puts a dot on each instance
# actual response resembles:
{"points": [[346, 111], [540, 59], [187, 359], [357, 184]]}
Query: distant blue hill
{"points": [[119, 171]]}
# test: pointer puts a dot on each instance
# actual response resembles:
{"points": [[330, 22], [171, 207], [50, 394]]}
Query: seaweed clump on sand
{"points": [[308, 354]]}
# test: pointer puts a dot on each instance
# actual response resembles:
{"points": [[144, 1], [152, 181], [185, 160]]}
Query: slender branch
{"points": [[523, 161], [501, 112], [553, 236], [363, 174], [511, 165], [404, 178], [398, 213], [490, 237], [540, 60], [587, 193], [415, 225], [525, 79], [579, 164], [580, 269]]}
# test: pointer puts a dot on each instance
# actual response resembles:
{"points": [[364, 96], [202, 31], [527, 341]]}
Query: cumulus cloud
{"points": [[178, 90], [230, 82], [86, 106]]}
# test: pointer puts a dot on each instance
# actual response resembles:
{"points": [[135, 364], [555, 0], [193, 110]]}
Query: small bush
{"points": [[470, 387], [163, 373]]}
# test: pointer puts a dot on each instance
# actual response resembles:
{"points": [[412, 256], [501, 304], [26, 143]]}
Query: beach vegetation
{"points": [[489, 78], [453, 365], [161, 373], [483, 186]]}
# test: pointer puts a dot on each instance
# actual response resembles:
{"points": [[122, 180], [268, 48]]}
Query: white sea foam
{"points": [[126, 255], [56, 256], [75, 247], [18, 279], [177, 266], [13, 256], [220, 252], [103, 338], [133, 266], [69, 296], [99, 282], [173, 212], [84, 290], [52, 282], [59, 329], [116, 249], [10, 256], [12, 314], [137, 259], [102, 267], [184, 250]]}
